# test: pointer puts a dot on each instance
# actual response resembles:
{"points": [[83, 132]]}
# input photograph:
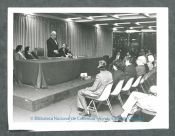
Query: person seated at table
{"points": [[28, 54], [101, 81], [69, 53], [52, 45], [18, 53], [130, 69], [63, 51], [118, 72], [147, 101]]}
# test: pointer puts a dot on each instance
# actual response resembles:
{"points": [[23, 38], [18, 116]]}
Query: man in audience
{"points": [[102, 80], [52, 45], [118, 73], [147, 101], [130, 69], [19, 55], [140, 68]]}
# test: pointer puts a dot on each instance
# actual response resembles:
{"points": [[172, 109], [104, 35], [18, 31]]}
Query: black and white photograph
{"points": [[87, 68]]}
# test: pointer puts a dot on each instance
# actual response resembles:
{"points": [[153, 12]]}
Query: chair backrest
{"points": [[39, 51], [106, 92], [118, 88], [128, 84], [136, 83]]}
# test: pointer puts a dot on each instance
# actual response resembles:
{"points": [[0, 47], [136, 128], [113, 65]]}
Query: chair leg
{"points": [[120, 99], [95, 109], [142, 88], [109, 105]]}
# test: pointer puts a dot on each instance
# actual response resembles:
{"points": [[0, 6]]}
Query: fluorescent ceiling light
{"points": [[131, 31], [97, 25], [99, 16], [90, 17], [146, 14], [148, 30], [146, 22], [125, 23], [114, 29], [68, 19], [137, 23], [104, 24], [150, 27], [115, 16]]}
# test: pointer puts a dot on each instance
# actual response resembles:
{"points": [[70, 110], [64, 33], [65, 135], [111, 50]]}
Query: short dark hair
{"points": [[26, 49], [18, 48], [131, 60]]}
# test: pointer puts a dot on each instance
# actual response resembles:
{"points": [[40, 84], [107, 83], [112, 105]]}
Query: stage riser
{"points": [[46, 101]]}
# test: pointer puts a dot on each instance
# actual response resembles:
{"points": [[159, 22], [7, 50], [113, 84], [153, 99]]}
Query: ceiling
{"points": [[118, 22]]}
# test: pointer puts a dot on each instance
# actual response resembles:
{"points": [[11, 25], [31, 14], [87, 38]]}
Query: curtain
{"points": [[104, 42], [33, 31], [90, 41], [81, 39]]}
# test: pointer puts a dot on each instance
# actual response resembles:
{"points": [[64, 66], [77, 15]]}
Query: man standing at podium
{"points": [[52, 45]]}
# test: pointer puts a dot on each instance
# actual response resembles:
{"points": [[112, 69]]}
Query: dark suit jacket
{"points": [[63, 53], [130, 71], [51, 46], [117, 76]]}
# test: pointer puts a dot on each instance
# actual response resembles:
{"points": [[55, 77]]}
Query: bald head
{"points": [[53, 35]]}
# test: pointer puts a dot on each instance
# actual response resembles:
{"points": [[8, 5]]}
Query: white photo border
{"points": [[161, 121]]}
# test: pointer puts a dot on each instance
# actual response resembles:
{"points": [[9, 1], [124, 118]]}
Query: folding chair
{"points": [[136, 83], [128, 85], [117, 91], [103, 98]]}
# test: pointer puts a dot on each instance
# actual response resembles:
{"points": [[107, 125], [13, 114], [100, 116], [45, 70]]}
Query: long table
{"points": [[43, 72]]}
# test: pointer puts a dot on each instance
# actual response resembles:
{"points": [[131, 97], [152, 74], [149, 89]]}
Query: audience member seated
{"points": [[130, 69], [19, 55], [140, 68], [128, 55], [102, 80], [28, 54], [150, 62], [138, 99], [118, 72], [107, 59]]}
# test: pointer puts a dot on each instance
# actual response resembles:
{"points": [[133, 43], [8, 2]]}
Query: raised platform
{"points": [[33, 99]]}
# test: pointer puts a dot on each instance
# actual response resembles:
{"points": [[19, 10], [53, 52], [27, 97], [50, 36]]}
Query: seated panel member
{"points": [[102, 80], [19, 55], [28, 54], [52, 46], [63, 51]]}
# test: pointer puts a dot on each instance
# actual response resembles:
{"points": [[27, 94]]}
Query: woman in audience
{"points": [[28, 54], [118, 72], [18, 54]]}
